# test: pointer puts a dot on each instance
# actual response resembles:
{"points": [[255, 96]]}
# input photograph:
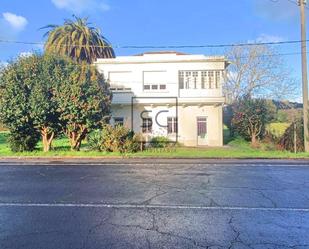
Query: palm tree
{"points": [[78, 40]]}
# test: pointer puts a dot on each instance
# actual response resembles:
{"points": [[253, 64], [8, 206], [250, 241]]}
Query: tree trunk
{"points": [[47, 139], [76, 139], [254, 141]]}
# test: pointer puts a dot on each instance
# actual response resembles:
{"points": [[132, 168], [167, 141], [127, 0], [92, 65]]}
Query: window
{"points": [[188, 79], [199, 79], [120, 88], [210, 79], [147, 125], [119, 121], [201, 126], [154, 79], [195, 78], [172, 125], [154, 87], [181, 79], [218, 79]]}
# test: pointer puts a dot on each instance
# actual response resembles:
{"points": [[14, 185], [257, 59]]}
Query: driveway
{"points": [[154, 204]]}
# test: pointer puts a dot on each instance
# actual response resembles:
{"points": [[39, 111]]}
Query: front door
{"points": [[202, 131]]}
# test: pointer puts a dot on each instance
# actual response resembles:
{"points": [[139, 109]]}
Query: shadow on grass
{"points": [[3, 137], [226, 136]]}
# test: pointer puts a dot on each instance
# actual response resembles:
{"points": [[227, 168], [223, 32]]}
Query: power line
{"points": [[163, 46]]}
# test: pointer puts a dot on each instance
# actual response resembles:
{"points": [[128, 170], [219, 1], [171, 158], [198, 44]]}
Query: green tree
{"points": [[84, 102], [43, 105], [78, 40], [250, 117], [16, 83]]}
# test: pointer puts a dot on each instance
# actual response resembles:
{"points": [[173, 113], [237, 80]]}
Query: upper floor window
{"points": [[218, 79], [203, 79], [181, 79], [211, 79], [195, 76], [120, 89], [154, 80], [119, 81], [155, 87], [199, 79]]}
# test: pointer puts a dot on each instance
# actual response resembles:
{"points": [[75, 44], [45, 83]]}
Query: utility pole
{"points": [[302, 4]]}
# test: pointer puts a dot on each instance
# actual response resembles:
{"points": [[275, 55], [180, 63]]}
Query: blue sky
{"points": [[157, 22]]}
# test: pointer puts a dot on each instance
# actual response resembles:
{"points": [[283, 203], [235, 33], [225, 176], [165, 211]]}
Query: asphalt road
{"points": [[142, 204]]}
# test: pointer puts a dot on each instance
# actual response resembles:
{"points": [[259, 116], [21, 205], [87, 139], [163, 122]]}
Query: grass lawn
{"points": [[235, 149]]}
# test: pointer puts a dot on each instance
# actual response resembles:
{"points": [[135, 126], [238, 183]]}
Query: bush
{"points": [[23, 141], [160, 142], [114, 139], [287, 140], [250, 118]]}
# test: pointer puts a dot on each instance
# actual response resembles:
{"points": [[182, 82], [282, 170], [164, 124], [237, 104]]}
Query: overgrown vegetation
{"points": [[115, 139], [237, 148], [293, 137], [46, 95], [250, 117]]}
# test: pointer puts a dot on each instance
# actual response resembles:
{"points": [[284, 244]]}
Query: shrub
{"points": [[114, 139], [25, 140], [250, 117], [287, 140], [160, 142]]}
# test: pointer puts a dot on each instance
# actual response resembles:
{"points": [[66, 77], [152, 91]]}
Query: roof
{"points": [[161, 52], [161, 57]]}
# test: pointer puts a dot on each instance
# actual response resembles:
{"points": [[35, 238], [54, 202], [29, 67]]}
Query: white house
{"points": [[168, 94]]}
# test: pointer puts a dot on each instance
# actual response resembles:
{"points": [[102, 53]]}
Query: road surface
{"points": [[154, 204]]}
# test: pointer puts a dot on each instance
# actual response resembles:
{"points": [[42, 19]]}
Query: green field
{"points": [[237, 148]]}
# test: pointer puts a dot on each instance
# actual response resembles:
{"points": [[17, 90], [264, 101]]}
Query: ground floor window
{"points": [[119, 121], [172, 125], [147, 125], [201, 126]]}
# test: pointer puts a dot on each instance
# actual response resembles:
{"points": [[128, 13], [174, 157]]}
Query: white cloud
{"points": [[269, 38], [264, 38], [79, 6], [11, 25], [16, 22], [25, 54]]}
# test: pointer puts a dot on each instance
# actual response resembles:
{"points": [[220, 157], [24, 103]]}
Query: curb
{"points": [[150, 160]]}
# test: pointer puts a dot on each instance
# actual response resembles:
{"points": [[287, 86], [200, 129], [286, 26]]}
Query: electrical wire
{"points": [[163, 46]]}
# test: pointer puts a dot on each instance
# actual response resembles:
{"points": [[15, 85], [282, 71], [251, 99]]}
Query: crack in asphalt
{"points": [[156, 228], [269, 199]]}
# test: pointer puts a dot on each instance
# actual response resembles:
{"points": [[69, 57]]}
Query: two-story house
{"points": [[168, 94]]}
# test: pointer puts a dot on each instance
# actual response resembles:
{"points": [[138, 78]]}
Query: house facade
{"points": [[169, 94]]}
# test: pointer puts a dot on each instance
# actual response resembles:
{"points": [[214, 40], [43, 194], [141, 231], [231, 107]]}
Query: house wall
{"points": [[187, 122], [130, 73]]}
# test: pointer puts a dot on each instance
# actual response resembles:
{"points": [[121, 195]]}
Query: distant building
{"points": [[168, 94]]}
